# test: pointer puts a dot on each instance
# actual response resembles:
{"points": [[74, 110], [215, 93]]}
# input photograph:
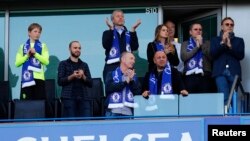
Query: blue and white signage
{"points": [[107, 130]]}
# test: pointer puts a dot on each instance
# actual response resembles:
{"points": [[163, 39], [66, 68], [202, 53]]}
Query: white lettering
{"points": [[215, 132], [84, 138], [103, 137], [45, 138], [186, 136], [129, 137], [27, 139], [151, 10], [153, 137], [244, 133], [64, 138], [231, 133]]}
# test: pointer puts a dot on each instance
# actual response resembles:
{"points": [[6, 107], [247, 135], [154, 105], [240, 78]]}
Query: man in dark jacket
{"points": [[227, 51], [121, 86], [164, 79], [117, 40], [74, 76]]}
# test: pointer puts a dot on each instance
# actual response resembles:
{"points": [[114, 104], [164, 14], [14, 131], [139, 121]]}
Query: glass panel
{"points": [[209, 27], [59, 28], [202, 104], [175, 105], [156, 105], [1, 46]]}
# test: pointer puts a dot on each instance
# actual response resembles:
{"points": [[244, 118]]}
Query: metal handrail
{"points": [[245, 97], [236, 83], [232, 92]]}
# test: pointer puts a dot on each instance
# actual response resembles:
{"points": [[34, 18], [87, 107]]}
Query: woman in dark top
{"points": [[161, 43]]}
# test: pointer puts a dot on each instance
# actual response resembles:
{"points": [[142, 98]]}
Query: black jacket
{"points": [[65, 69]]}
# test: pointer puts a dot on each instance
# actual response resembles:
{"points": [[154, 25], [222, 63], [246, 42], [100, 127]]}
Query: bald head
{"points": [[127, 60]]}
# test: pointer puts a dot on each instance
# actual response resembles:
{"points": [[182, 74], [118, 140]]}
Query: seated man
{"points": [[121, 84], [163, 79]]}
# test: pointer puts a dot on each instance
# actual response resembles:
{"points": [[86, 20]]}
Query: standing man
{"points": [[74, 76], [195, 53], [171, 32], [33, 55], [121, 85], [227, 51], [117, 40]]}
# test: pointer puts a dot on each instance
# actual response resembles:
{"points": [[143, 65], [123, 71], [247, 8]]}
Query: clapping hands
{"points": [[138, 22], [129, 75], [111, 25], [31, 52], [79, 74]]}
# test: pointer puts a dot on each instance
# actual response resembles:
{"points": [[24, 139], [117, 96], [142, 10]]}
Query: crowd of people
{"points": [[193, 66]]}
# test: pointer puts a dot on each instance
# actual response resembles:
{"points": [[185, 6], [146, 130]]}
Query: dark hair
{"points": [[169, 21], [226, 18], [34, 25], [191, 26], [73, 42]]}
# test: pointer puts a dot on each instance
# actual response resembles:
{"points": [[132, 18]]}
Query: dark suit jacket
{"points": [[223, 56]]}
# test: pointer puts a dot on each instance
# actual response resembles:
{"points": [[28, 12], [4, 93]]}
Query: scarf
{"points": [[159, 46], [32, 64], [122, 98], [114, 53], [166, 88], [166, 83], [194, 64]]}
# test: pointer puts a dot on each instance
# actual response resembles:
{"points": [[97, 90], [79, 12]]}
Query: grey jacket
{"points": [[207, 59]]}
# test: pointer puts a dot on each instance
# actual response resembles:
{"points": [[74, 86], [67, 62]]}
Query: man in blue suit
{"points": [[227, 51]]}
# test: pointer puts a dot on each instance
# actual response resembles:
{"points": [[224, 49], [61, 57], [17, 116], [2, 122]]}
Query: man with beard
{"points": [[74, 76]]}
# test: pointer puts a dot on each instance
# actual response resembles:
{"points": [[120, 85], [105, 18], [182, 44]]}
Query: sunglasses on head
{"points": [[227, 24], [198, 29]]}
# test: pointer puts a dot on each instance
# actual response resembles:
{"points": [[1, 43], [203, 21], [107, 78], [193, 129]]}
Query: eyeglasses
{"points": [[198, 29], [227, 24]]}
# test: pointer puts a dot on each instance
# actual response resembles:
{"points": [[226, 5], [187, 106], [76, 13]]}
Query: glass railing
{"points": [[172, 105], [205, 104]]}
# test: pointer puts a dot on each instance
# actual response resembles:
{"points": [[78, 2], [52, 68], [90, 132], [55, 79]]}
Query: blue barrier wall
{"points": [[152, 129], [120, 130]]}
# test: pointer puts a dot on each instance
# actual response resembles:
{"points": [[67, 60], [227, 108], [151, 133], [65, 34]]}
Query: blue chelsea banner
{"points": [[191, 129]]}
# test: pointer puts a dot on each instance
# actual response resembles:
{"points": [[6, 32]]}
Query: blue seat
{"points": [[96, 95], [29, 109]]}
